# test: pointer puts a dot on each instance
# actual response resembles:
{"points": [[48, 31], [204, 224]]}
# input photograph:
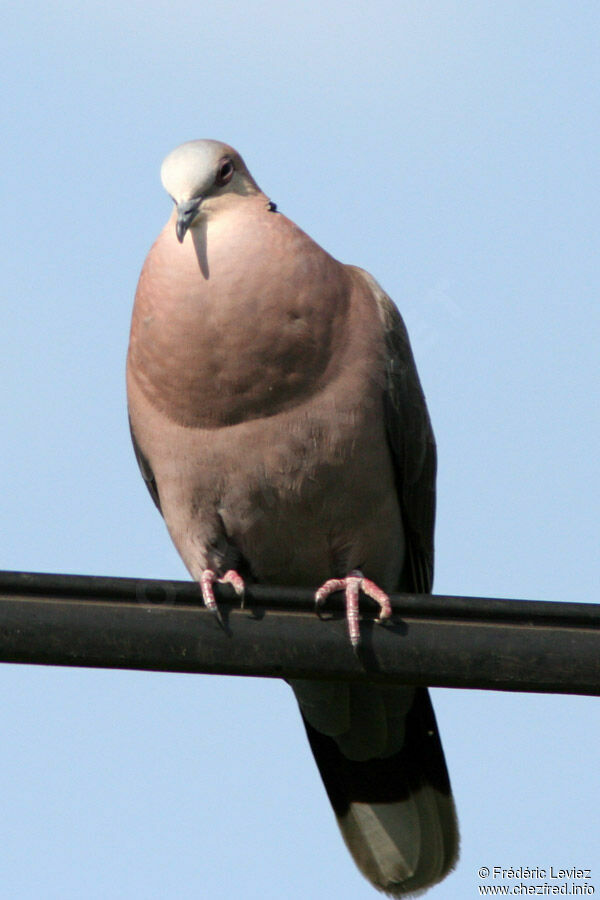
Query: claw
{"points": [[352, 584], [237, 582], [209, 577]]}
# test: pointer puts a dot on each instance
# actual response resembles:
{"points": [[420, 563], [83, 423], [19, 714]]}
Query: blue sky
{"points": [[450, 149]]}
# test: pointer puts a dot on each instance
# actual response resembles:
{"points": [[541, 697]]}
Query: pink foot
{"points": [[208, 578], [352, 584]]}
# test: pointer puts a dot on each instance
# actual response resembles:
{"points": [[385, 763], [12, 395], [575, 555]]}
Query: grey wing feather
{"points": [[147, 473], [413, 448], [412, 443]]}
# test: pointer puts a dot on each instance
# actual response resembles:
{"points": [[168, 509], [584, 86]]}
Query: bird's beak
{"points": [[187, 211]]}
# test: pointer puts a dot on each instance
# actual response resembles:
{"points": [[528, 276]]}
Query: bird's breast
{"points": [[219, 335]]}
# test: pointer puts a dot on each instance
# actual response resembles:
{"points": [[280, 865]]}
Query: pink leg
{"points": [[352, 584], [208, 578]]}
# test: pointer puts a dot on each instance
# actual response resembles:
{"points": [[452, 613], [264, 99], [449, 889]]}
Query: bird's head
{"points": [[200, 176]]}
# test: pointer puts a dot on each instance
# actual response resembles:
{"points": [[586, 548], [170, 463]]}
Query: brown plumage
{"points": [[280, 426]]}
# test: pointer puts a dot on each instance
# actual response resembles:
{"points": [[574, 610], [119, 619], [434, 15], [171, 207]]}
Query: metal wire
{"points": [[467, 642]]}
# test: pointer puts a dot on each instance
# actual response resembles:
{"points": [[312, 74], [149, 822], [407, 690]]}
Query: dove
{"points": [[280, 426]]}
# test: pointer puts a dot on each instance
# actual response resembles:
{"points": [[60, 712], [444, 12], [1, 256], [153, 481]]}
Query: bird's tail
{"points": [[396, 812]]}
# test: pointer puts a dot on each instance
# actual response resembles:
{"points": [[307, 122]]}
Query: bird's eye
{"points": [[225, 171]]}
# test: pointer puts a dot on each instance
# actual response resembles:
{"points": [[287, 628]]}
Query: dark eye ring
{"points": [[225, 172]]}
